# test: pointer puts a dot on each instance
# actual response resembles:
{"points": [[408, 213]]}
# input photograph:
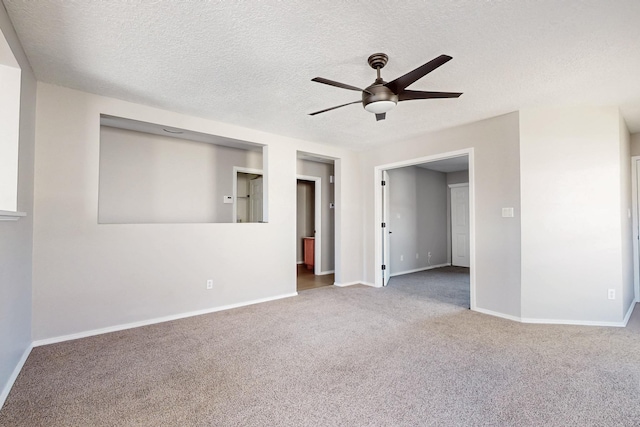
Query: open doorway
{"points": [[247, 195], [426, 234], [314, 222]]}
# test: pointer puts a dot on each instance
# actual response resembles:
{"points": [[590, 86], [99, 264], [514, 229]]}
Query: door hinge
{"points": [[384, 182], [384, 267], [384, 225]]}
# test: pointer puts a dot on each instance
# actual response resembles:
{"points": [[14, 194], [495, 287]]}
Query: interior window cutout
{"points": [[155, 174], [10, 75], [248, 196]]}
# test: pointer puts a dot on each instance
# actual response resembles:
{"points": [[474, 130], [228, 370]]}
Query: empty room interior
{"points": [[223, 213]]}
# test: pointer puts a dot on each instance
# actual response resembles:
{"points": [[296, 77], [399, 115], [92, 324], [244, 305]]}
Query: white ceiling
{"points": [[250, 63]]}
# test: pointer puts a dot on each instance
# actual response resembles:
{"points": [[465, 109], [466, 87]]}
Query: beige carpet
{"points": [[356, 356]]}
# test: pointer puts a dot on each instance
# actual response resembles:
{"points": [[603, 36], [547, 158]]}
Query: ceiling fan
{"points": [[381, 96]]}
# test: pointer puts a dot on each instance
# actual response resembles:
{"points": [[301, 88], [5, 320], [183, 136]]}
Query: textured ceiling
{"points": [[250, 63]]}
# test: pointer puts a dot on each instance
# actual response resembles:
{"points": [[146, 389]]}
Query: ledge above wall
{"points": [[11, 215]]}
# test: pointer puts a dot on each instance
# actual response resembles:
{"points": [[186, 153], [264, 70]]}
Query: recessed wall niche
{"points": [[154, 174]]}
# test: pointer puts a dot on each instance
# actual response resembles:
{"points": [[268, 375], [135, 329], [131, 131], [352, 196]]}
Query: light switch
{"points": [[507, 212], [227, 199]]}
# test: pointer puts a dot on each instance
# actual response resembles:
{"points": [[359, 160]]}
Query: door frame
{"points": [[234, 192], [377, 212], [386, 258], [317, 243], [635, 199]]}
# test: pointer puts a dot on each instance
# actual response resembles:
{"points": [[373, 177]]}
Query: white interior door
{"points": [[460, 226], [386, 267], [255, 200]]}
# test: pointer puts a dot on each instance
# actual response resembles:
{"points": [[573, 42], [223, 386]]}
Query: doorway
{"points": [[247, 196], [308, 217], [426, 217], [635, 205], [315, 227]]}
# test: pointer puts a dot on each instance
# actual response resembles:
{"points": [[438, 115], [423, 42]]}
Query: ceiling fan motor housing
{"points": [[377, 92]]}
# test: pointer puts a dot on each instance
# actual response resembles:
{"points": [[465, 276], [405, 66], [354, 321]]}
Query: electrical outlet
{"points": [[417, 256], [401, 257], [209, 284], [612, 294]]}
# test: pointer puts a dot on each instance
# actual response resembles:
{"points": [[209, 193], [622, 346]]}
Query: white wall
{"points": [[459, 177], [89, 276], [417, 219], [146, 178], [635, 144], [16, 236], [323, 171], [571, 183], [497, 184]]}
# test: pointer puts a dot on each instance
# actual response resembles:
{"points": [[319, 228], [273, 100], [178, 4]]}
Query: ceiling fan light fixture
{"points": [[383, 96], [379, 107]]}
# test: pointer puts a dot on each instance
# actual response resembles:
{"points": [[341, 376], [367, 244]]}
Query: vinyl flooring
{"points": [[307, 280]]}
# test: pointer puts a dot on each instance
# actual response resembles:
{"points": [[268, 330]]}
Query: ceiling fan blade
{"points": [[399, 84], [408, 95], [336, 84], [333, 108], [380, 116]]}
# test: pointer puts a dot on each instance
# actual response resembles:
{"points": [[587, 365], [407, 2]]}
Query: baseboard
{"points": [[497, 314], [322, 273], [558, 321], [342, 285], [629, 312], [415, 270], [132, 325], [573, 322], [14, 375]]}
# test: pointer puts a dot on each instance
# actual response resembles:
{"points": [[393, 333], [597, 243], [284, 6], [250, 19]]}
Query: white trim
{"points": [[573, 322], [299, 262], [621, 324], [462, 184], [377, 212], [497, 314], [234, 189], [635, 227], [629, 312], [14, 375], [11, 215], [132, 325], [322, 273], [342, 285], [415, 270], [317, 215]]}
